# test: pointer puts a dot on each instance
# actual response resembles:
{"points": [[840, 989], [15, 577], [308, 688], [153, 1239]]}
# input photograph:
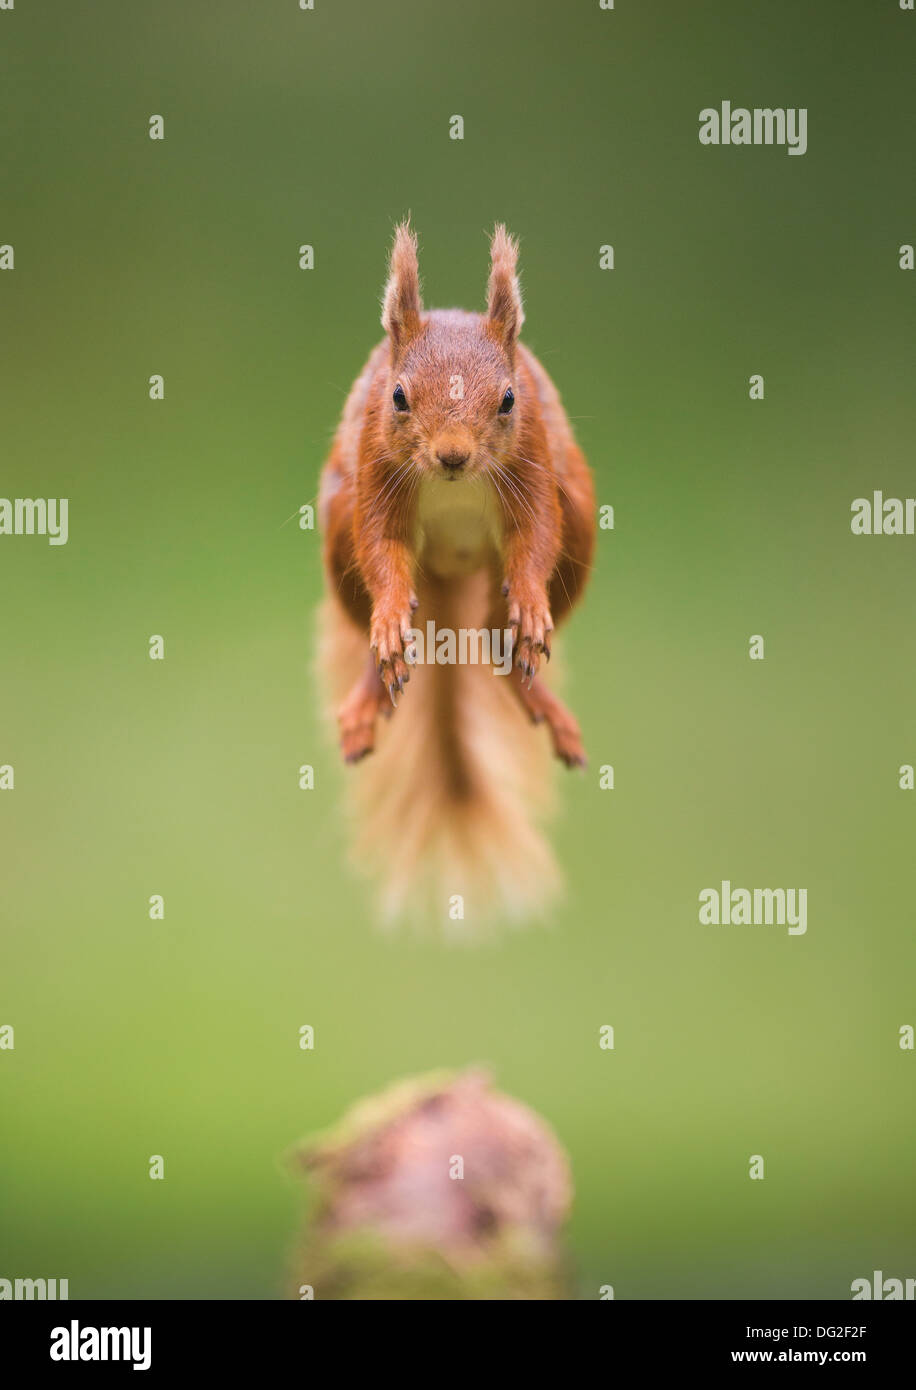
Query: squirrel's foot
{"points": [[567, 740], [531, 624], [390, 644], [357, 716], [544, 707]]}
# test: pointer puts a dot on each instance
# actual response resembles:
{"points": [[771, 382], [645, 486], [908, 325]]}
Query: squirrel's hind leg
{"points": [[542, 706], [357, 715]]}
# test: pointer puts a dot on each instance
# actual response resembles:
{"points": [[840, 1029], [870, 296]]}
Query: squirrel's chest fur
{"points": [[457, 526]]}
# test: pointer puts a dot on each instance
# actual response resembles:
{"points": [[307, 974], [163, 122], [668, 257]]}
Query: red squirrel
{"points": [[454, 492]]}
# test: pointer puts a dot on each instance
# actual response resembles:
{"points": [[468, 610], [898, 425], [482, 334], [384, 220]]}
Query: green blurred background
{"points": [[179, 777]]}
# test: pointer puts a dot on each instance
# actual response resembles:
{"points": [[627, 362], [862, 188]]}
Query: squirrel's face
{"points": [[451, 406]]}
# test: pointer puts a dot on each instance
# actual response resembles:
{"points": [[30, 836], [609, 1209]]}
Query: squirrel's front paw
{"points": [[389, 641], [531, 624]]}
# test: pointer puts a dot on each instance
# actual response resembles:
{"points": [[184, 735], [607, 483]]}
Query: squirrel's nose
{"points": [[453, 459]]}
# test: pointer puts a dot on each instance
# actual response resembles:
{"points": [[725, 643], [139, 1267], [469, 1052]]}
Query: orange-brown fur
{"points": [[448, 506]]}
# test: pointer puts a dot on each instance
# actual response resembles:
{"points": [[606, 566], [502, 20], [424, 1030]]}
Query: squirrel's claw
{"points": [[531, 624], [528, 654], [393, 651]]}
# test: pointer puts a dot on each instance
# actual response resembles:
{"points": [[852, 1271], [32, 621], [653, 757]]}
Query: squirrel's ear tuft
{"points": [[401, 308], [504, 298]]}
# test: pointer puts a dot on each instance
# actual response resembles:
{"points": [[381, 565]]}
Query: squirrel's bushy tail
{"points": [[445, 811]]}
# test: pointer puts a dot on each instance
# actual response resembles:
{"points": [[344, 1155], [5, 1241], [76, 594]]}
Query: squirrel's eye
{"points": [[400, 400], [507, 402]]}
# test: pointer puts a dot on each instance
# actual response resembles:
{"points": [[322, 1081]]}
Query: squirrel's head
{"points": [[452, 401]]}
